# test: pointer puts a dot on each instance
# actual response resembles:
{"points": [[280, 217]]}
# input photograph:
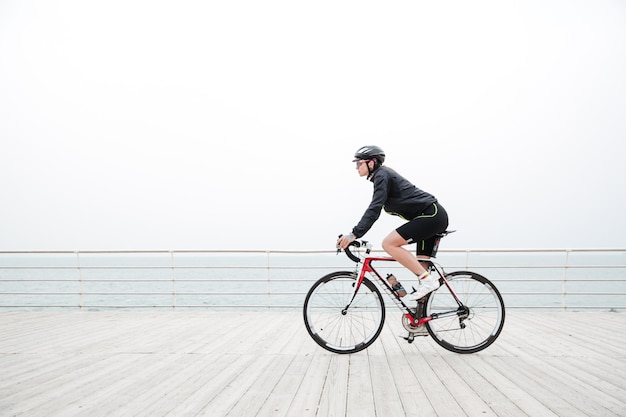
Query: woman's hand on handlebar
{"points": [[345, 240]]}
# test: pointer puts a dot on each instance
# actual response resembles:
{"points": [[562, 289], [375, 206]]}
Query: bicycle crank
{"points": [[413, 330]]}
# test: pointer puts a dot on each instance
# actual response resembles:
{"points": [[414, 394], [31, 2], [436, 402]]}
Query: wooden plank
{"points": [[306, 399], [516, 394], [560, 392], [410, 391], [383, 385], [278, 401], [43, 396], [418, 357], [189, 396], [260, 364], [360, 398], [240, 395], [562, 368], [477, 385], [134, 393], [334, 398]]}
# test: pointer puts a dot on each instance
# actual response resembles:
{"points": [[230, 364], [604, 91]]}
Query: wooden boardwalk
{"points": [[264, 364]]}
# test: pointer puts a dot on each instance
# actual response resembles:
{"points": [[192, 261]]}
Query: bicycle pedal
{"points": [[419, 332], [408, 336]]}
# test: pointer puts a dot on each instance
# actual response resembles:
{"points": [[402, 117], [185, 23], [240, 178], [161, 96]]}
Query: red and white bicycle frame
{"points": [[413, 318]]}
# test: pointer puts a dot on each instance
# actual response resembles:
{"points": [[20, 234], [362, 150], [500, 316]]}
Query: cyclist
{"points": [[392, 192]]}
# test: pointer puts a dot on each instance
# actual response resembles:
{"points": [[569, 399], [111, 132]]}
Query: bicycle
{"points": [[344, 311]]}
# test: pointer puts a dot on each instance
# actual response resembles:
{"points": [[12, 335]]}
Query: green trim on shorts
{"points": [[428, 215]]}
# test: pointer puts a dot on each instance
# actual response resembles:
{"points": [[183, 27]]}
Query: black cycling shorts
{"points": [[424, 229]]}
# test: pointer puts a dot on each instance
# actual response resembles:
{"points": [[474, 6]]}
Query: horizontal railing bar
{"points": [[266, 307], [265, 280], [245, 294], [561, 293], [581, 250], [332, 252], [262, 267], [113, 275], [175, 267]]}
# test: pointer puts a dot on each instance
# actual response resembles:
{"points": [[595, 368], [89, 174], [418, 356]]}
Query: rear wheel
{"points": [[332, 326], [478, 322]]}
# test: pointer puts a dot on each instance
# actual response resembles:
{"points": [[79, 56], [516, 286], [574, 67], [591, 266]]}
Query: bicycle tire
{"points": [[485, 318], [334, 328]]}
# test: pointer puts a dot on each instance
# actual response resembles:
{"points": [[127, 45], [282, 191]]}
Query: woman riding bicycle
{"points": [[392, 192]]}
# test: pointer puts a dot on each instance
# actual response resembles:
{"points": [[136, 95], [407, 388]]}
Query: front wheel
{"points": [[478, 321], [336, 328]]}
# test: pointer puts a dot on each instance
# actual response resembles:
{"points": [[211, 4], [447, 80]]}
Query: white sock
{"points": [[424, 275]]}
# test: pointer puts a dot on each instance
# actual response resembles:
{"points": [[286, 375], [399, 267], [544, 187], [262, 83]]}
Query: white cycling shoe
{"points": [[427, 285]]}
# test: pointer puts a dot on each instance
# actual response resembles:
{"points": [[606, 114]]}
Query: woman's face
{"points": [[361, 166]]}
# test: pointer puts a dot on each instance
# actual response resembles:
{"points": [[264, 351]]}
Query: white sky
{"points": [[132, 124]]}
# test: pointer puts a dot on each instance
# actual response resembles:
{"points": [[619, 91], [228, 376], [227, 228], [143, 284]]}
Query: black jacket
{"points": [[396, 195]]}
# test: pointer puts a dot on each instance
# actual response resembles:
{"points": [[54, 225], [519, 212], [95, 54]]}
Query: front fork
{"points": [[357, 285]]}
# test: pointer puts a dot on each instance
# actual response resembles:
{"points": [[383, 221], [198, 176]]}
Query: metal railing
{"points": [[550, 279]]}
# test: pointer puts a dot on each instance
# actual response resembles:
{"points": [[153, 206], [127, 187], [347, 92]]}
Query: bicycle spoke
{"points": [[335, 328], [486, 313]]}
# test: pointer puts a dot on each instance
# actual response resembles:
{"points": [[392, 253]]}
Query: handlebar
{"points": [[357, 245]]}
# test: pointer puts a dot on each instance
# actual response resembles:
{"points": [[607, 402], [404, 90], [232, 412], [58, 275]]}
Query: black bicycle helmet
{"points": [[370, 152]]}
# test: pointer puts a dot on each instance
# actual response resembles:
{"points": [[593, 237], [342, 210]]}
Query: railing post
{"points": [[567, 251], [269, 285], [80, 281], [173, 280]]}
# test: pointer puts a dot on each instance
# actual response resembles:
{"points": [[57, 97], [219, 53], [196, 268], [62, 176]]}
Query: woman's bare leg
{"points": [[392, 244]]}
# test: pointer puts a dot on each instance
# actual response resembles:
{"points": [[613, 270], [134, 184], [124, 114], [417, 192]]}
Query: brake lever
{"points": [[368, 246], [338, 247]]}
